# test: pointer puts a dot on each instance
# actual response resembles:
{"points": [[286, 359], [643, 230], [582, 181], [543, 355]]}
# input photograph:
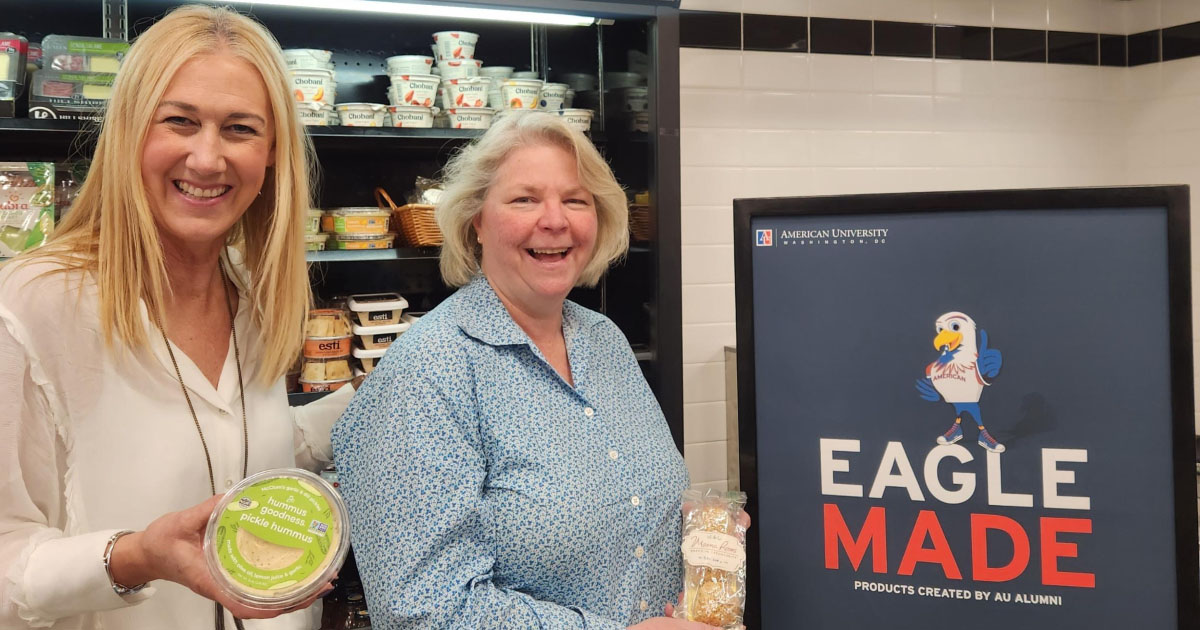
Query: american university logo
{"points": [[764, 238]]}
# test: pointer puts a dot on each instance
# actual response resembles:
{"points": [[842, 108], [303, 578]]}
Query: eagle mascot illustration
{"points": [[957, 375]]}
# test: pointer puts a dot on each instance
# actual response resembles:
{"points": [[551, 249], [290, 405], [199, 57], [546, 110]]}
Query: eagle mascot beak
{"points": [[947, 339]]}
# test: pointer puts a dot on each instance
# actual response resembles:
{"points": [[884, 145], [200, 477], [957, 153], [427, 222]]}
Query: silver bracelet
{"points": [[119, 589]]}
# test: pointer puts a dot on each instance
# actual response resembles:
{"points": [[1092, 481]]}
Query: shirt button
{"points": [[228, 484], [589, 412], [613, 455], [635, 500], [639, 552], [643, 605]]}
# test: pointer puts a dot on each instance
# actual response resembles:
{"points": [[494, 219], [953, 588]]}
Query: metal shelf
{"points": [[361, 255]]}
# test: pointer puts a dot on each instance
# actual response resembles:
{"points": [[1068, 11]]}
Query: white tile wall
{"points": [[776, 124]]}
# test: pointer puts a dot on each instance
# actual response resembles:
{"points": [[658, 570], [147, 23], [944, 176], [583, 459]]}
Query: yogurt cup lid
{"points": [[312, 72], [277, 538], [372, 106]]}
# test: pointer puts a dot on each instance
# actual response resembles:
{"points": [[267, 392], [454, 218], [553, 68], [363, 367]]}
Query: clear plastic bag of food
{"points": [[714, 558], [26, 205]]}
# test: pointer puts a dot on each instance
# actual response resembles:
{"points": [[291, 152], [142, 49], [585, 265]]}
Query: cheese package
{"points": [[71, 53], [26, 205], [714, 558], [276, 538], [82, 89], [13, 52]]}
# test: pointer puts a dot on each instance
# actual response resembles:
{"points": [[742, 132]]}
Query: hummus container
{"points": [[307, 386], [368, 358], [579, 81], [552, 96], [316, 113], [319, 370], [455, 44], [365, 220], [409, 64], [361, 241], [308, 59], [413, 89], [519, 94], [470, 117], [496, 72], [276, 538], [379, 337], [362, 114], [469, 92], [459, 69], [622, 80], [376, 309], [579, 119], [309, 86], [315, 242], [525, 74], [410, 116], [312, 221]]}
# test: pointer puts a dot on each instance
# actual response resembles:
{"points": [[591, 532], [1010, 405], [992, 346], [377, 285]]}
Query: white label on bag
{"points": [[713, 549]]}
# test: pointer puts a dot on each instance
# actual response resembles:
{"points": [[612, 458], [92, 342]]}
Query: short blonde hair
{"points": [[111, 231], [470, 173]]}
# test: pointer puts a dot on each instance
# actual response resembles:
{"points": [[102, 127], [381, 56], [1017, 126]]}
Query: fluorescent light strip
{"points": [[431, 10]]}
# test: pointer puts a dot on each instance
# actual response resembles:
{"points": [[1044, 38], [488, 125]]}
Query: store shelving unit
{"points": [[641, 294]]}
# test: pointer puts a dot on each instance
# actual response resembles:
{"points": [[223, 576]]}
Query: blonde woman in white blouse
{"points": [[188, 229]]}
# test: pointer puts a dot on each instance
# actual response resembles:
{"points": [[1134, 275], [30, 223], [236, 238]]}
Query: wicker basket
{"points": [[414, 221], [639, 223]]}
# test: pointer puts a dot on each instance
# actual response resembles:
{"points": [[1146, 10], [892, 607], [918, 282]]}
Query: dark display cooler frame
{"points": [[642, 294]]}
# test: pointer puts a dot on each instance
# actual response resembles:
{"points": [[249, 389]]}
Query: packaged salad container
{"points": [[277, 538]]}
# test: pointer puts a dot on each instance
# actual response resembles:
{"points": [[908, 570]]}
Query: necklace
{"points": [[237, 358]]}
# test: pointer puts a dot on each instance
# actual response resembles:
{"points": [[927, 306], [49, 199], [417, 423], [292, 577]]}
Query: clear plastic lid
{"points": [[277, 538], [376, 302], [362, 211]]}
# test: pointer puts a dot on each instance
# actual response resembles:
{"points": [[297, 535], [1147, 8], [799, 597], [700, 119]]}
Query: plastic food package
{"points": [[714, 558], [26, 205], [75, 88], [70, 53], [13, 52]]}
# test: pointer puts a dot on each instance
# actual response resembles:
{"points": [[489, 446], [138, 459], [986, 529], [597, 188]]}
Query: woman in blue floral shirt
{"points": [[506, 464]]}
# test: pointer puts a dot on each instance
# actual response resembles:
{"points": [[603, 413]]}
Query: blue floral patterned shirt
{"points": [[486, 492]]}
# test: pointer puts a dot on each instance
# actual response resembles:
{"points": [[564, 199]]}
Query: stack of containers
{"points": [[583, 86], [627, 99], [313, 85], [314, 239], [357, 228], [413, 91], [14, 50], [464, 94], [378, 321], [77, 75], [326, 357]]}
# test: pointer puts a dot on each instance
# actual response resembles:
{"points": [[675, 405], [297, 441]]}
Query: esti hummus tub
{"points": [[277, 538], [362, 114]]}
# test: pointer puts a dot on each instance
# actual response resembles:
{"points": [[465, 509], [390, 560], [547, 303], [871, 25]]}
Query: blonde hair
{"points": [[111, 231], [470, 173]]}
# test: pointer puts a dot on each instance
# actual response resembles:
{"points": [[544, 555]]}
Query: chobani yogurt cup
{"points": [[277, 538], [525, 74], [413, 89], [410, 64], [580, 81], [630, 99], [470, 117], [411, 116], [496, 72], [569, 99], [553, 96], [459, 68], [362, 114], [455, 44], [469, 92], [316, 113], [580, 119], [520, 93], [313, 86], [308, 59]]}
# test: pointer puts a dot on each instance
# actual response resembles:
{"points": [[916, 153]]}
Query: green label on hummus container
{"points": [[275, 533]]}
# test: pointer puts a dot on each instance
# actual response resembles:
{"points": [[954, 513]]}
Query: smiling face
{"points": [[537, 228], [205, 156]]}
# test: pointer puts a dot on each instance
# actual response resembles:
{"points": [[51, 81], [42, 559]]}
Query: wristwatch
{"points": [[119, 589]]}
